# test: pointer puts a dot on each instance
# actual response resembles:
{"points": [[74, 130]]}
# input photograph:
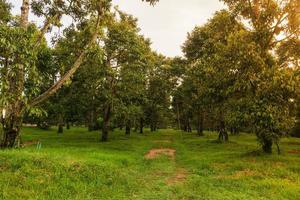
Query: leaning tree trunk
{"points": [[80, 59], [106, 122], [14, 110]]}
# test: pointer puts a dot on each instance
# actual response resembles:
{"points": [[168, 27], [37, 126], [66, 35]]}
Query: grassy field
{"points": [[75, 166]]}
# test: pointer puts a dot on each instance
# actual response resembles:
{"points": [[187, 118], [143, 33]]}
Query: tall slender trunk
{"points": [[106, 122], [200, 123], [60, 124], [141, 125], [178, 117], [24, 14], [135, 125], [12, 120], [92, 121], [152, 123], [68, 125], [155, 125], [223, 135], [187, 126], [128, 127]]}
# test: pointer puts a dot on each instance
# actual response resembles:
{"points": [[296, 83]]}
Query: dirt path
{"points": [[179, 177], [154, 153], [180, 174]]}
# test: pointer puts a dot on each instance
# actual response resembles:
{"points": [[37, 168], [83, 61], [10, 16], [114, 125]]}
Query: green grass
{"points": [[76, 166]]}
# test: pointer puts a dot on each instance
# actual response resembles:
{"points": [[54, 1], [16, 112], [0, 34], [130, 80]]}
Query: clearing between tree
{"points": [[73, 165]]}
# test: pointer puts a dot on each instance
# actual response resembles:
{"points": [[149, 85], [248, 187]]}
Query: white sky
{"points": [[167, 23]]}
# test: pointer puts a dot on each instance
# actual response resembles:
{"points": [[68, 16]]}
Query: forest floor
{"points": [[167, 164]]}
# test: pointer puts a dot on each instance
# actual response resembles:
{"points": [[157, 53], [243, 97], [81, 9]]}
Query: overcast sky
{"points": [[167, 23]]}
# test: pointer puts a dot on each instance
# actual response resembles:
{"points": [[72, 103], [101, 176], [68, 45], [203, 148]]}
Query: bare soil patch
{"points": [[29, 143], [294, 152], [244, 173], [292, 143], [162, 141], [179, 177], [154, 153], [240, 174]]}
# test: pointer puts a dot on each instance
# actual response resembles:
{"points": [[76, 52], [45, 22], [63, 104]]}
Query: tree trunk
{"points": [[24, 14], [128, 128], [189, 128], [106, 122], [141, 125], [278, 147], [185, 127], [234, 131], [68, 126], [200, 124], [13, 120], [135, 125], [80, 59], [60, 124], [152, 127], [92, 121], [11, 130], [60, 128], [223, 135], [267, 144], [9, 138], [152, 123], [155, 126], [178, 117]]}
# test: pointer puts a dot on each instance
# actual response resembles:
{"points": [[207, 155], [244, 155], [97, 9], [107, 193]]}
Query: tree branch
{"points": [[71, 72], [45, 28]]}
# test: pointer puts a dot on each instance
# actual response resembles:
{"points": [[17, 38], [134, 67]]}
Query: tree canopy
{"points": [[239, 71]]}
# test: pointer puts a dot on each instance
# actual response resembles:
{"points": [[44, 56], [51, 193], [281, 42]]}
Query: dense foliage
{"points": [[240, 71]]}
